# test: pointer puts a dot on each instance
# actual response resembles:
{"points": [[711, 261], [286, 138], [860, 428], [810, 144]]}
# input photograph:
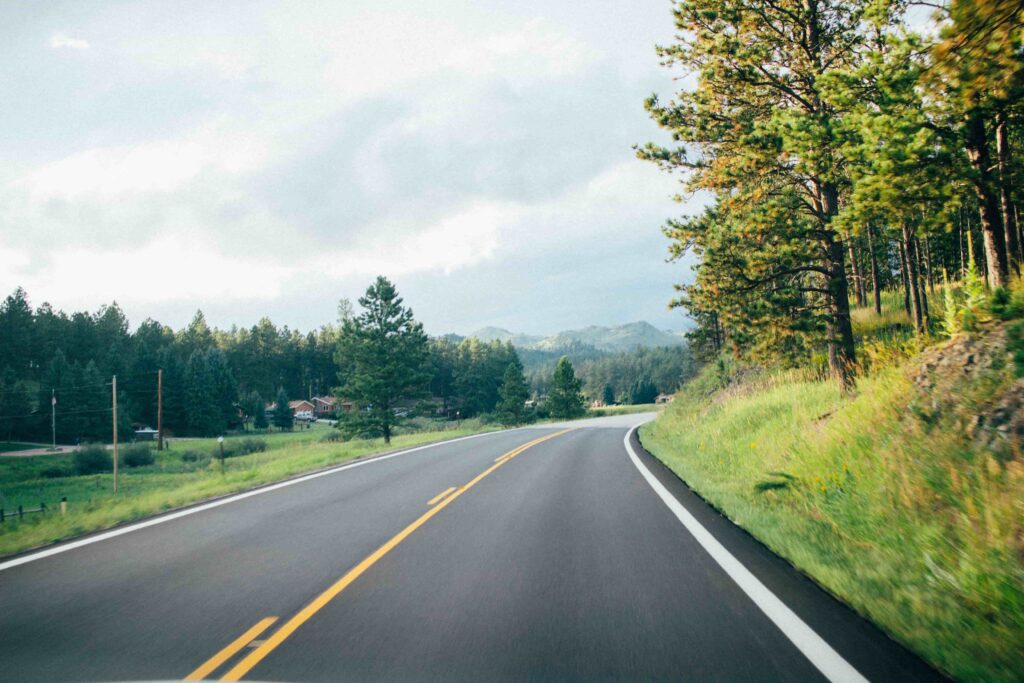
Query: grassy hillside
{"points": [[906, 500]]}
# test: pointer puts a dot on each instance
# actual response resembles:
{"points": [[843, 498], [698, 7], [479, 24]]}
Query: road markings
{"points": [[71, 545], [227, 653], [440, 495], [290, 626], [829, 662]]}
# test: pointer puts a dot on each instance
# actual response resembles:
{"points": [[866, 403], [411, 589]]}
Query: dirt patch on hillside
{"points": [[970, 380]]}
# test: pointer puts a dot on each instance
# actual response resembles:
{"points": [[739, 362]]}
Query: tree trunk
{"points": [[903, 277], [925, 316], [912, 280], [858, 291], [876, 289], [963, 243], [928, 265], [841, 351], [988, 203], [863, 277], [1020, 228], [1013, 246]]}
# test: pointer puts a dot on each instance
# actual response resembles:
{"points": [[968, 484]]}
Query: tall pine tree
{"points": [[384, 353], [283, 417], [757, 133], [511, 409], [565, 400]]}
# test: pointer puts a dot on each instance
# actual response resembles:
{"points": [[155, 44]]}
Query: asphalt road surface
{"points": [[535, 554]]}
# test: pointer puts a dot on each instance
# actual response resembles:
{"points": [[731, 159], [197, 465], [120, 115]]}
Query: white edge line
{"points": [[71, 545], [811, 645]]}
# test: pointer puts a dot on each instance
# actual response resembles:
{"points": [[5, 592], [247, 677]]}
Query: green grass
{"points": [[906, 520], [623, 410], [170, 482]]}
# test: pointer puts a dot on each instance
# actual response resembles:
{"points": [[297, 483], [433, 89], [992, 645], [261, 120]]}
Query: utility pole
{"points": [[53, 417], [160, 409], [113, 393]]}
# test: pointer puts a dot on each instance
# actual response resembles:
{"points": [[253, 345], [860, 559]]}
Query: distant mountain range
{"points": [[610, 339]]}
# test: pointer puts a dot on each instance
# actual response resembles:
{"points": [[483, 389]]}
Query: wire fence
{"points": [[20, 512]]}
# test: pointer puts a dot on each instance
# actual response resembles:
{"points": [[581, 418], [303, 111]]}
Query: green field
{"points": [[886, 502], [171, 481]]}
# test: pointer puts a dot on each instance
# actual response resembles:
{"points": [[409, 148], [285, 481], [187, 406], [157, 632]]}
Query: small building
{"points": [[302, 406], [146, 434], [324, 406]]}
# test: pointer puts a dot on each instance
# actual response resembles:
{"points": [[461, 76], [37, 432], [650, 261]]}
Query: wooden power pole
{"points": [[160, 409], [113, 393]]}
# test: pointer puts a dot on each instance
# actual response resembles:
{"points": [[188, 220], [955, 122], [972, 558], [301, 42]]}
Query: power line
{"points": [[71, 387]]}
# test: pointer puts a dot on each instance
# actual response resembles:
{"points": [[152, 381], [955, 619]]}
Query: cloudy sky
{"points": [[266, 158]]}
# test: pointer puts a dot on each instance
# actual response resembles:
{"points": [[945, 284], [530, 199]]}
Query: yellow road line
{"points": [[224, 655], [256, 656], [440, 495]]}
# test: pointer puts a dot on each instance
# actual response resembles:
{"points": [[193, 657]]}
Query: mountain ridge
{"points": [[613, 338]]}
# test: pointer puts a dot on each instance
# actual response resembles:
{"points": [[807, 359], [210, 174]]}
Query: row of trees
{"points": [[612, 377], [846, 153], [213, 380]]}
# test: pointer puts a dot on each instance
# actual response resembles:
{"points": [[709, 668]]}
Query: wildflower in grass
{"points": [[753, 445]]}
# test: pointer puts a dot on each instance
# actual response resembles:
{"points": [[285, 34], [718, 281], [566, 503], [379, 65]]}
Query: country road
{"points": [[533, 554]]}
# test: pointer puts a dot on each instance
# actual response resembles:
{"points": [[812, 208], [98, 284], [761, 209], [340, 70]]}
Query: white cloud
{"points": [[62, 40], [188, 266], [182, 267], [536, 51], [464, 238], [104, 174]]}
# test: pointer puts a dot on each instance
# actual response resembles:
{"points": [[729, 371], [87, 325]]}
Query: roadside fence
{"points": [[20, 511]]}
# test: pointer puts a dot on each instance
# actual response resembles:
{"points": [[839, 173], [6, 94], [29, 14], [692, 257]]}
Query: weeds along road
{"points": [[551, 553]]}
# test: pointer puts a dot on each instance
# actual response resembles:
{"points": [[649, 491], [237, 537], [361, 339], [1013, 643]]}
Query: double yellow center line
{"points": [[267, 646]]}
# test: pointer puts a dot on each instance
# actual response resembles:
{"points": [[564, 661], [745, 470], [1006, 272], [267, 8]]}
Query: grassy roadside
{"points": [[171, 481], [608, 411], [889, 499]]}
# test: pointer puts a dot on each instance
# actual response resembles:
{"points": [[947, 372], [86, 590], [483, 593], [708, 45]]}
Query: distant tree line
{"points": [[636, 376], [48, 355], [216, 380]]}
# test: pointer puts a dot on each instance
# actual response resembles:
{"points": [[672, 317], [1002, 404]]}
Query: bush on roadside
{"points": [[93, 459], [253, 445], [192, 455], [56, 472], [233, 449], [137, 455]]}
